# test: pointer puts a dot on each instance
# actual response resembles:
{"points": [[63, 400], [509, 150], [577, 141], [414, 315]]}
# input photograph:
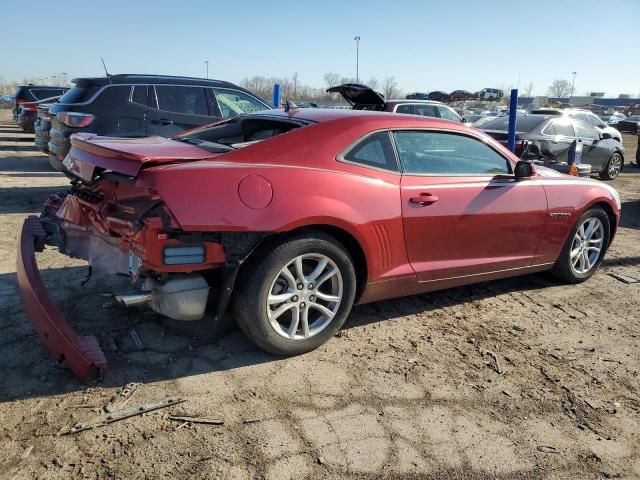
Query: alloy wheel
{"points": [[586, 245], [305, 296], [615, 165]]}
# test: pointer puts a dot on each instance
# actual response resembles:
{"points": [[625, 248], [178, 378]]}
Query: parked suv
{"points": [[142, 105], [490, 94], [28, 112], [33, 93], [362, 97]]}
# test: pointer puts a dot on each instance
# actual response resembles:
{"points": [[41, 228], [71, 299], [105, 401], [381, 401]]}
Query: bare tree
{"points": [[295, 77], [331, 79], [373, 83], [528, 89], [559, 88], [389, 87]]}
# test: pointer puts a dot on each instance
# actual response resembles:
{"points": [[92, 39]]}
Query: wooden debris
{"points": [[623, 278], [547, 449], [122, 397], [495, 364], [139, 409], [193, 419]]}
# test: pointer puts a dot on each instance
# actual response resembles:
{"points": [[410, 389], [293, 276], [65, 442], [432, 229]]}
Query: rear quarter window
{"points": [[79, 94], [42, 93]]}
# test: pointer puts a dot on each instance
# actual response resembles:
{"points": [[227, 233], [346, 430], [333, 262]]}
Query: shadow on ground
{"points": [[141, 346]]}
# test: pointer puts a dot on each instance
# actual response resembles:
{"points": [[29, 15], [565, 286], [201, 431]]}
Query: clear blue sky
{"points": [[426, 45]]}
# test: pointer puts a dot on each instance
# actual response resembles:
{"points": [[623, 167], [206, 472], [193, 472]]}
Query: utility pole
{"points": [[357, 39], [206, 62], [573, 82]]}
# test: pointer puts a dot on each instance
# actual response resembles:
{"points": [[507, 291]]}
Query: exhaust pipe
{"points": [[133, 299]]}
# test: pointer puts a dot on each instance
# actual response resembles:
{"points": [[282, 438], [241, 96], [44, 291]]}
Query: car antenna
{"points": [[289, 105], [105, 70]]}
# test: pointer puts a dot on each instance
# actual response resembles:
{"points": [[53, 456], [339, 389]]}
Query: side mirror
{"points": [[464, 120], [524, 170], [606, 136]]}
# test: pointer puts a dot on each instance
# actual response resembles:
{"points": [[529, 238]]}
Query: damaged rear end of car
{"points": [[112, 219]]}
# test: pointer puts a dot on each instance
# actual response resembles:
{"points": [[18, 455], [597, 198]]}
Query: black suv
{"points": [[142, 105], [33, 93]]}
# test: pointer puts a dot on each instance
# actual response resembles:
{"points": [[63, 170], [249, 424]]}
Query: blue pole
{"points": [[276, 95], [513, 110]]}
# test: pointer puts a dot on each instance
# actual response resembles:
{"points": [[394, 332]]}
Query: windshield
{"points": [[526, 123]]}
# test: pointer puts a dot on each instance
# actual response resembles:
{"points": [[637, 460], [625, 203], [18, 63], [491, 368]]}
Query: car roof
{"points": [[318, 115], [128, 78], [412, 101]]}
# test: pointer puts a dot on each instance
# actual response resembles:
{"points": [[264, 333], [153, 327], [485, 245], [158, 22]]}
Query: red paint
{"points": [[82, 355]]}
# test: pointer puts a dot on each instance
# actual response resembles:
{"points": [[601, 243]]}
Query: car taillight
{"points": [[75, 119]]}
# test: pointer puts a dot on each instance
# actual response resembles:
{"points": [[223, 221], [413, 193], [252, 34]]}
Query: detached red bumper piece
{"points": [[82, 355]]}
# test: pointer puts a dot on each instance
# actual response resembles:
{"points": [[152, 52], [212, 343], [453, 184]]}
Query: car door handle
{"points": [[424, 199], [162, 121]]}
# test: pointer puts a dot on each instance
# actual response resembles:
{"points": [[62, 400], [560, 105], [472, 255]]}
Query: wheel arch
{"points": [[613, 224], [344, 237]]}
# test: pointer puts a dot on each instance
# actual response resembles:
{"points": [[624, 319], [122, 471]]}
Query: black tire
{"points": [[249, 301], [613, 167], [563, 269]]}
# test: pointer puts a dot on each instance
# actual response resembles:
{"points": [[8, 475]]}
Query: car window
{"points": [[139, 94], [374, 151], [581, 116], [595, 121], [404, 109], [525, 123], [437, 153], [188, 100], [426, 110], [235, 102], [448, 114], [550, 130], [42, 93], [564, 128], [79, 94], [584, 130]]}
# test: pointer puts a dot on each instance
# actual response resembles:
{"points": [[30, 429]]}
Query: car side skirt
{"points": [[405, 286]]}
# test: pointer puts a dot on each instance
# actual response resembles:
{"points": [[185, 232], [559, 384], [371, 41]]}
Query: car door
{"points": [[595, 150], [464, 213], [177, 107]]}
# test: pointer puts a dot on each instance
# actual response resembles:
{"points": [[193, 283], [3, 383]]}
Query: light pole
{"points": [[206, 62], [573, 82], [357, 39]]}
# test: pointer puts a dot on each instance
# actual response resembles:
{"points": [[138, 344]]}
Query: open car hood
{"points": [[357, 94]]}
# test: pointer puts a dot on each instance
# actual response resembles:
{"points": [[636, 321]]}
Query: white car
{"points": [[586, 116]]}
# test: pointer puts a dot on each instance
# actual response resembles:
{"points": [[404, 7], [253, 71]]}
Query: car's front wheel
{"points": [[295, 296], [585, 247], [613, 167]]}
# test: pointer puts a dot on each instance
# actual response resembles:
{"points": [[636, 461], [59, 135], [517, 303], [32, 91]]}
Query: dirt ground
{"points": [[407, 390]]}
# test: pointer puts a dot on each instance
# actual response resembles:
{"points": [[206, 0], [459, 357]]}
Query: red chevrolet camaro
{"points": [[292, 217]]}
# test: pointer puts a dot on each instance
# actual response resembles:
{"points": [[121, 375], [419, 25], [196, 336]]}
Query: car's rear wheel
{"points": [[613, 167], [585, 247], [295, 296]]}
